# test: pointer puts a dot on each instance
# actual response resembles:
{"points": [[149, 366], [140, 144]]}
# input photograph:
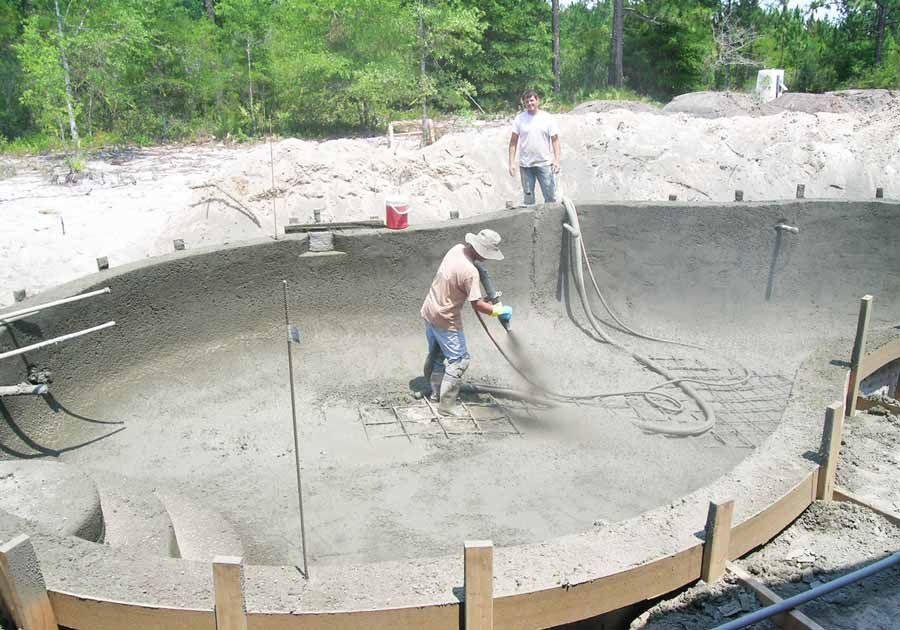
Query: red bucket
{"points": [[396, 214]]}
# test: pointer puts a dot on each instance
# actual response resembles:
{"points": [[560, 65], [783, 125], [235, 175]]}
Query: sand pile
{"points": [[133, 204]]}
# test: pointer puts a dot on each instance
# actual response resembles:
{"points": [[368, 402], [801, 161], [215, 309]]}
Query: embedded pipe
{"points": [[783, 227], [813, 593]]}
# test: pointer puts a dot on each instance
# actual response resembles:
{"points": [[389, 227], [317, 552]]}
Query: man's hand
{"points": [[503, 313], [555, 167], [512, 171]]}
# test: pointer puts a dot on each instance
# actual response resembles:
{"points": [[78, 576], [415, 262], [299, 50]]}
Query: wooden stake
{"points": [[859, 349], [228, 574], [479, 584], [718, 537], [22, 586], [831, 443]]}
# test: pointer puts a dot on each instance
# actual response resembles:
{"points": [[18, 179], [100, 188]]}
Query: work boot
{"points": [[437, 377], [449, 392]]}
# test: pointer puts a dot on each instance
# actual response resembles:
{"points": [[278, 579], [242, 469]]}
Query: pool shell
{"points": [[712, 263]]}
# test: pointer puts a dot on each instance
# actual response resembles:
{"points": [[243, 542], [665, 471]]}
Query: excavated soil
{"points": [[829, 540]]}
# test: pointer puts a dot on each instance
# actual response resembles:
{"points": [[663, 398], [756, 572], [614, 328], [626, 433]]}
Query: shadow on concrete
{"points": [[41, 450], [57, 407]]}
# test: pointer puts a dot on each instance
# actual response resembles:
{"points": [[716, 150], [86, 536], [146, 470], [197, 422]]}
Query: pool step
{"points": [[202, 532], [134, 518]]}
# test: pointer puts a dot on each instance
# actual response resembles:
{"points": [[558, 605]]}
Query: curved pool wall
{"points": [[702, 267]]}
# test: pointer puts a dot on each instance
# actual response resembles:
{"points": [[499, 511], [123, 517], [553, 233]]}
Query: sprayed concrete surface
{"points": [[196, 373]]}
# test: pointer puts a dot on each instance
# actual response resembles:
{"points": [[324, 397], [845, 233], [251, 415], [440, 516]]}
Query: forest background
{"points": [[82, 73]]}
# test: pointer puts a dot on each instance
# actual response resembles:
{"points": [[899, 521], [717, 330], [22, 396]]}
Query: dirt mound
{"points": [[603, 106], [844, 102], [711, 104]]}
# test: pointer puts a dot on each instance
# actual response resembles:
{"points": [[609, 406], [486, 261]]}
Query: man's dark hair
{"points": [[528, 94]]}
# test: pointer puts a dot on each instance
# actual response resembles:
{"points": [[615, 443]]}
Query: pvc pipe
{"points": [[792, 602], [56, 340], [23, 389], [25, 312], [572, 230], [787, 228]]}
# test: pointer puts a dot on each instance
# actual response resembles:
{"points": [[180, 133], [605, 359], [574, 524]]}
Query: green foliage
{"points": [[584, 42], [670, 54], [142, 71], [76, 163]]}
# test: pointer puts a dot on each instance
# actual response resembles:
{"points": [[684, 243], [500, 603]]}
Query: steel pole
{"points": [[294, 424]]}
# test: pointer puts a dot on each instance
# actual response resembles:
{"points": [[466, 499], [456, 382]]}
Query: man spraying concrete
{"points": [[455, 283]]}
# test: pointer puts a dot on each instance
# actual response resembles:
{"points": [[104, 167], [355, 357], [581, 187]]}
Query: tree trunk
{"points": [[555, 9], [210, 9], [879, 32], [73, 126], [250, 83], [422, 81], [616, 72]]}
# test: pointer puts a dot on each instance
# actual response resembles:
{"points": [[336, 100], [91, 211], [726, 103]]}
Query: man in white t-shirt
{"points": [[535, 137]]}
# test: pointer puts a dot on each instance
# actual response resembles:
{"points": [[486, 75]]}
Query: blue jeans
{"points": [[451, 343], [544, 176]]}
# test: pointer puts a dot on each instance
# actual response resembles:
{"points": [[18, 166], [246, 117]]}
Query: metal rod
{"points": [[56, 340], [811, 594], [296, 440], [25, 312]]}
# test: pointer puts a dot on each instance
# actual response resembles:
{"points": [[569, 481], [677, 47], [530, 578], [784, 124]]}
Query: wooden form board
{"points": [[841, 494], [877, 359], [791, 620], [83, 613], [568, 603], [765, 525], [437, 617]]}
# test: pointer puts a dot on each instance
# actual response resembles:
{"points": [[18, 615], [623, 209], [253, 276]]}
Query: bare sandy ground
{"points": [[132, 204]]}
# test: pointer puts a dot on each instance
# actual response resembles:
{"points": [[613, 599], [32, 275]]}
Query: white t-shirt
{"points": [[535, 132]]}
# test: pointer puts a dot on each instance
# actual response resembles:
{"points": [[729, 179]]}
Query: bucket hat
{"points": [[486, 243]]}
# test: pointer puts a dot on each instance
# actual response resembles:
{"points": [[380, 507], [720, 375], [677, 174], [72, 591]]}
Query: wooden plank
{"points": [[764, 526], [567, 603], [479, 584], [831, 442], [81, 613], [859, 349], [436, 617], [840, 494], [22, 586], [718, 535], [862, 404], [877, 359], [228, 577], [791, 620]]}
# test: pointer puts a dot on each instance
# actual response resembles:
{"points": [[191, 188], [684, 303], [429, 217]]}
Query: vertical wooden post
{"points": [[831, 442], [859, 349], [228, 574], [479, 585], [718, 537], [22, 586]]}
